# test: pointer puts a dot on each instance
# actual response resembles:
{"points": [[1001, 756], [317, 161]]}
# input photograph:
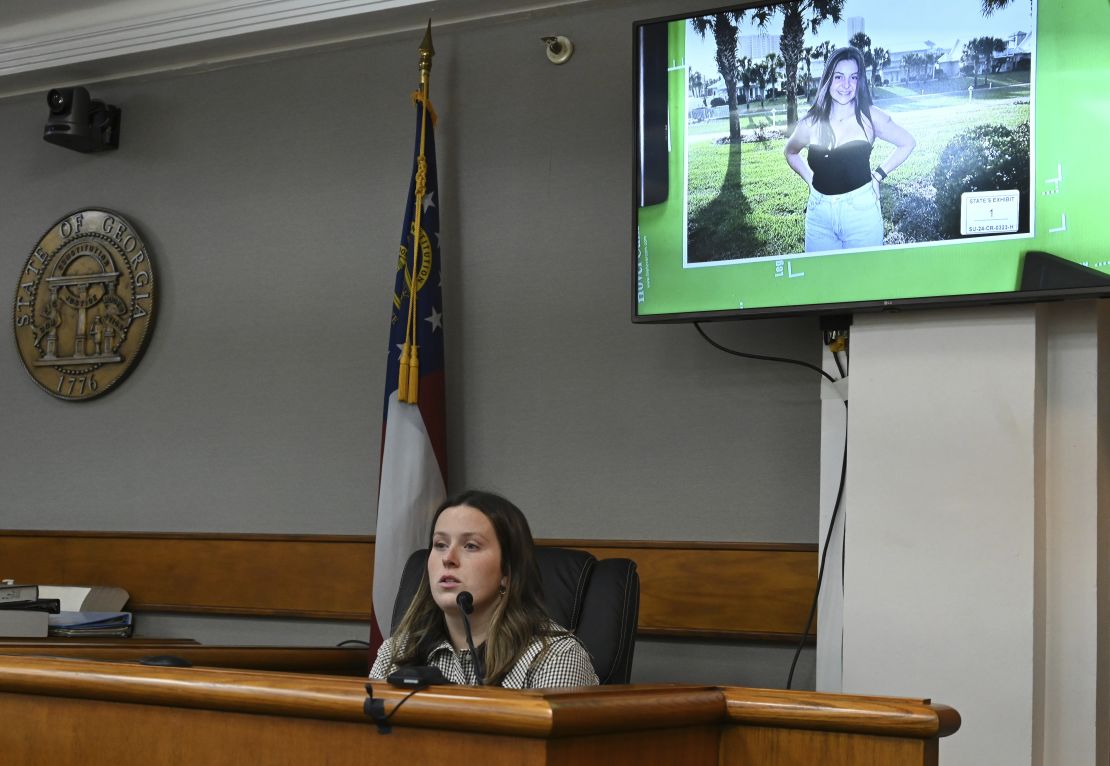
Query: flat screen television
{"points": [[1003, 197]]}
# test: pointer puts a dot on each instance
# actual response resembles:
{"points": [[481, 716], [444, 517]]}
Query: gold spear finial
{"points": [[426, 53]]}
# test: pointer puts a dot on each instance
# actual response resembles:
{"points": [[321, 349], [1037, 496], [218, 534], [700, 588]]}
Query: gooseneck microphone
{"points": [[466, 606]]}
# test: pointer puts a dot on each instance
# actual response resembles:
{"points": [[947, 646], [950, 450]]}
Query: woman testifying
{"points": [[481, 545], [839, 132]]}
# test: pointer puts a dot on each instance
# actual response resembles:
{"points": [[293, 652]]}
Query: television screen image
{"points": [[861, 154]]}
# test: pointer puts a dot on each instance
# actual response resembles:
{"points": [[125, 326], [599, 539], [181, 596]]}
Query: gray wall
{"points": [[271, 193]]}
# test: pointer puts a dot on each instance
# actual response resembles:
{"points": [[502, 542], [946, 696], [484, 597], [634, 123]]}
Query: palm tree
{"points": [[723, 26], [931, 59], [990, 6], [880, 57], [807, 59], [794, 24], [823, 51], [760, 72], [697, 84], [911, 61], [820, 53], [862, 43], [981, 48], [773, 61], [747, 77], [704, 226]]}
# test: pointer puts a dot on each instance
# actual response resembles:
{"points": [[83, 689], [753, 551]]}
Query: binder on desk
{"points": [[11, 593], [51, 605], [76, 624]]}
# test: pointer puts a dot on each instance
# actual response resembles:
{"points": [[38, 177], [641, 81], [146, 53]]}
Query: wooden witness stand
{"points": [[81, 712]]}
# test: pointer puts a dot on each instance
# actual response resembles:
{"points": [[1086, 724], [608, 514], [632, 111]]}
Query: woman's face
{"points": [[466, 556], [845, 79]]}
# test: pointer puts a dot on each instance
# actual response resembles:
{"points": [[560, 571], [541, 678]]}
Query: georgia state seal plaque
{"points": [[84, 304]]}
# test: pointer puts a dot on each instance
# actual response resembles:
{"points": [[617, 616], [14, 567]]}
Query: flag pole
{"points": [[408, 383], [413, 465]]}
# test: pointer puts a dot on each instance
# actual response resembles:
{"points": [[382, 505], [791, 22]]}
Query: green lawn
{"points": [[776, 197]]}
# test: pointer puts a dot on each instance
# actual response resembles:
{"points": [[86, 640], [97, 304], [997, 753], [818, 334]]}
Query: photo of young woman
{"points": [[839, 134]]}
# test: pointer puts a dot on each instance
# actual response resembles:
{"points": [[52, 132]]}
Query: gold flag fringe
{"points": [[403, 376], [414, 378], [408, 378]]}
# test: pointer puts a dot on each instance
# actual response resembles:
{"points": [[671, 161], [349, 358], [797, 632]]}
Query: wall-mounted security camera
{"points": [[559, 48], [80, 123]]}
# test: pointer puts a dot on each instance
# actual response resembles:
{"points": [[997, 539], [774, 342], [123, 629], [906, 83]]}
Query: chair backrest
{"points": [[599, 601]]}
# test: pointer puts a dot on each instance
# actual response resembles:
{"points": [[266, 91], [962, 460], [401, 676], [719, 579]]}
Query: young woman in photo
{"points": [[839, 134]]}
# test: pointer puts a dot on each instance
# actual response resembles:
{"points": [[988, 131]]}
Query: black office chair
{"points": [[598, 600]]}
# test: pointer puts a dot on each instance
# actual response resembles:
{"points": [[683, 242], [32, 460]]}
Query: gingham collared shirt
{"points": [[563, 662]]}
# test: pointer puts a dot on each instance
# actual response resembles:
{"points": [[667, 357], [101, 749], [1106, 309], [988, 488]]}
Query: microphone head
{"points": [[465, 601]]}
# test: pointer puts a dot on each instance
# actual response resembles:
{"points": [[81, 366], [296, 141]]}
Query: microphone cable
{"points": [[824, 557], [836, 341], [763, 357], [375, 708]]}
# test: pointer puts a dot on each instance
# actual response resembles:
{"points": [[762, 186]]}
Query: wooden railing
{"points": [[72, 712], [754, 591]]}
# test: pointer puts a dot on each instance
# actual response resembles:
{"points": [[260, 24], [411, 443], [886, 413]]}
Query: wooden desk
{"points": [[74, 712], [831, 729]]}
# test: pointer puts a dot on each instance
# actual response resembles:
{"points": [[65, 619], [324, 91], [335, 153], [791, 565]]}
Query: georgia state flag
{"points": [[413, 477]]}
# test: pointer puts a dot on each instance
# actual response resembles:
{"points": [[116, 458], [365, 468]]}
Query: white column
{"points": [[830, 602], [1073, 715], [977, 550], [938, 579]]}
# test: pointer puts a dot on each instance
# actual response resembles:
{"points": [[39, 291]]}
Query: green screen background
{"points": [[1071, 123]]}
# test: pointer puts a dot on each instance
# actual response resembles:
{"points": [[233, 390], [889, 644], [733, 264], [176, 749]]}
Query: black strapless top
{"points": [[840, 170]]}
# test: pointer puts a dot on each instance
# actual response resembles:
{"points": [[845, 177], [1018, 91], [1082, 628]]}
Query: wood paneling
{"points": [[80, 713], [759, 746], [706, 590], [718, 590], [320, 576]]}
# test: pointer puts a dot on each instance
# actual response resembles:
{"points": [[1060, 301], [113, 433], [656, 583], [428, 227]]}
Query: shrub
{"points": [[985, 158], [911, 208]]}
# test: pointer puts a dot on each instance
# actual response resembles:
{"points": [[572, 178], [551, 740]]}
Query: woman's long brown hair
{"points": [[818, 114], [519, 615]]}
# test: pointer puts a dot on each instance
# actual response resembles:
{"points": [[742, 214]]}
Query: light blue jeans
{"points": [[840, 221]]}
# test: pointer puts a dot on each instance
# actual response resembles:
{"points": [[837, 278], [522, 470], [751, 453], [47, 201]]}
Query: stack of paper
{"points": [[36, 611], [86, 598]]}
